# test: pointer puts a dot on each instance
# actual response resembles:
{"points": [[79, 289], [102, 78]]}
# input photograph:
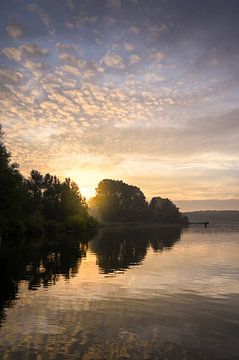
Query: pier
{"points": [[205, 223]]}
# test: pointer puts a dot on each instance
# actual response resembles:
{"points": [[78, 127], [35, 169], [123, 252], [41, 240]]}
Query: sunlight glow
{"points": [[87, 192]]}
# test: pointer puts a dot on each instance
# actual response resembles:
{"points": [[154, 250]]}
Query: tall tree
{"points": [[164, 211], [118, 201], [72, 201], [12, 191]]}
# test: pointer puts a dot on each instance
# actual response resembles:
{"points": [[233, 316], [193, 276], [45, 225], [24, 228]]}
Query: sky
{"points": [[145, 91]]}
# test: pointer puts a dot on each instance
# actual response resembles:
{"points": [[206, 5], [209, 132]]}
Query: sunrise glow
{"points": [[142, 91]]}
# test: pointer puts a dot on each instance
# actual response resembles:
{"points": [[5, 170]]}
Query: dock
{"points": [[205, 223]]}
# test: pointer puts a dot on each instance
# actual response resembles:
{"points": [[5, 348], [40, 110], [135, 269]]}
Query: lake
{"points": [[129, 293]]}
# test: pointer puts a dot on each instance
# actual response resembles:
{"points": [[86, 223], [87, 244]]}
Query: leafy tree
{"points": [[12, 192], [54, 202], [72, 201], [51, 197], [38, 203], [164, 211], [118, 201], [35, 190]]}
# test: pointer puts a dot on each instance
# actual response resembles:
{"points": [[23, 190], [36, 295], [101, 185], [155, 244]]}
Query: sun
{"points": [[87, 192]]}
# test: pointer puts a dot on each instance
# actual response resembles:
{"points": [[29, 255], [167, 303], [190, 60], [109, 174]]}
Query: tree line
{"points": [[44, 204], [40, 203], [116, 201]]}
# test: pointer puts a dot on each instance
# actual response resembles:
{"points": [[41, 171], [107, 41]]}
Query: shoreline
{"points": [[141, 224]]}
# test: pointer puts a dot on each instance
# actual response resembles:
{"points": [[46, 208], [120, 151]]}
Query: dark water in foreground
{"points": [[130, 293]]}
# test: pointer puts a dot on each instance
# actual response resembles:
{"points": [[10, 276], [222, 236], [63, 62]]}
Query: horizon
{"points": [[143, 91]]}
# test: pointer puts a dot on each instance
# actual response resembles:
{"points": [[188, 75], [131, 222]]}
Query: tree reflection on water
{"points": [[119, 248], [41, 263]]}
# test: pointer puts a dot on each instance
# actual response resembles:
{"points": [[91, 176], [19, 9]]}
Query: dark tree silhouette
{"points": [[12, 192], [118, 201], [43, 203], [164, 211], [40, 203]]}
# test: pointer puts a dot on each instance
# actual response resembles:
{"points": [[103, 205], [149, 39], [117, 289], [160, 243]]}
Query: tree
{"points": [[164, 211], [12, 192], [72, 202], [39, 203], [118, 201], [51, 197], [35, 190], [52, 202]]}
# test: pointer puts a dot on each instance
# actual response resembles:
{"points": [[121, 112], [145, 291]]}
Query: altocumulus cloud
{"points": [[89, 90]]}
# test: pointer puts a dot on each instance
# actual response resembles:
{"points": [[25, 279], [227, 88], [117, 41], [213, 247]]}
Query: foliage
{"points": [[44, 204], [39, 204], [164, 211], [12, 191], [116, 201]]}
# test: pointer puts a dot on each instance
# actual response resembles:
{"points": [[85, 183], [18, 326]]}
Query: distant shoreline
{"points": [[213, 216], [140, 224]]}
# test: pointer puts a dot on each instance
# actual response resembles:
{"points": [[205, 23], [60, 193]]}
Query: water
{"points": [[130, 293]]}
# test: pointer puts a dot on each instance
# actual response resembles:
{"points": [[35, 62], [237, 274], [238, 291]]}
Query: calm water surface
{"points": [[130, 293]]}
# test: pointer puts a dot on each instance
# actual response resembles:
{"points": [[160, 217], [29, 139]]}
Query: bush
{"points": [[78, 223]]}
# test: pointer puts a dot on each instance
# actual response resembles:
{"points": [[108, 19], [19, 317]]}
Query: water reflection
{"points": [[119, 248], [8, 288], [39, 263], [180, 303]]}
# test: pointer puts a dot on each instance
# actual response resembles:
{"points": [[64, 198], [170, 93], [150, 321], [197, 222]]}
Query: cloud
{"points": [[33, 50], [156, 30], [68, 58], [36, 67], [70, 4], [128, 46], [116, 4], [67, 47], [12, 53], [38, 10], [147, 87], [24, 51], [14, 29], [135, 30], [109, 21], [69, 25], [134, 59], [86, 20], [157, 56], [9, 74], [71, 69], [44, 16], [114, 61]]}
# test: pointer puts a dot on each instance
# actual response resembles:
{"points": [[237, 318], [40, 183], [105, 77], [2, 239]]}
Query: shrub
{"points": [[78, 223]]}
